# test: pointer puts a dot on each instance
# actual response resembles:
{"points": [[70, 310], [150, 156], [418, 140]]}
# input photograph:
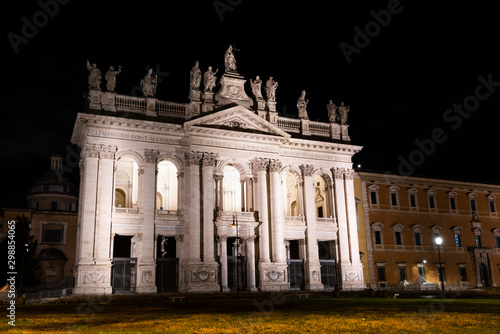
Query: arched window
{"points": [[127, 183], [231, 187], [292, 199], [322, 197], [166, 186]]}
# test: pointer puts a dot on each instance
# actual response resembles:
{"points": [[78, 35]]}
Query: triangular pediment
{"points": [[237, 118]]}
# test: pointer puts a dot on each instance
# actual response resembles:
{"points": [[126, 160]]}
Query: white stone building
{"points": [[214, 195]]}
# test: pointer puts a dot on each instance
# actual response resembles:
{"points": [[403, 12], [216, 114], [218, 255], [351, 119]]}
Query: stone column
{"points": [[89, 278], [260, 166], [193, 206], [250, 252], [340, 208], [147, 193], [218, 191], [208, 208], [312, 266], [223, 262], [249, 194], [277, 220], [352, 217]]}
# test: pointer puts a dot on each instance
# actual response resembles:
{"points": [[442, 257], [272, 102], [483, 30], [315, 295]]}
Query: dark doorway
{"points": [[295, 266], [483, 275], [236, 266], [326, 250], [167, 264], [124, 267]]}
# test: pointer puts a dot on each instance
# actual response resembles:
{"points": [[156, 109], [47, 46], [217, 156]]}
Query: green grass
{"points": [[287, 315]]}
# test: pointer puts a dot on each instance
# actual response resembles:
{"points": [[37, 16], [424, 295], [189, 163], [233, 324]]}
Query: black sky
{"points": [[399, 86]]}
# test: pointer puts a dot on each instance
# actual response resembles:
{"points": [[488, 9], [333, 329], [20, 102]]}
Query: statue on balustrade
{"points": [[302, 105], [94, 76], [271, 86], [195, 76], [229, 60], [256, 88], [149, 84], [111, 78], [343, 111], [332, 112], [209, 79]]}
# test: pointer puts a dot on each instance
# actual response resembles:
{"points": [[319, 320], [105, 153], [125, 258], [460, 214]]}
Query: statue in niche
{"points": [[332, 112], [209, 79], [149, 84], [256, 88], [271, 86], [302, 105], [195, 76], [111, 78], [343, 111], [229, 60], [94, 76]]}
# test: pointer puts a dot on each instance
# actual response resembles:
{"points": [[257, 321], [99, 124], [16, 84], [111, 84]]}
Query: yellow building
{"points": [[52, 210], [401, 217]]}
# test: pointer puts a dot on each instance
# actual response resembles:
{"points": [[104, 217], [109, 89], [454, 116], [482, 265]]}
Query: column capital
{"points": [[107, 152], [90, 151], [307, 170], [208, 159], [338, 173], [218, 176], [150, 156], [274, 165], [193, 158], [260, 164], [349, 174], [222, 238], [250, 238]]}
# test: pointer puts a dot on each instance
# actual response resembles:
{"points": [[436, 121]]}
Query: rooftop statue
{"points": [[256, 88], [271, 86], [195, 76], [111, 78], [229, 60], [332, 112], [302, 105], [209, 79], [94, 76], [343, 110], [149, 84]]}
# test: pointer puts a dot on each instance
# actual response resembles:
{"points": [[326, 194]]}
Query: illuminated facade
{"points": [[217, 194], [403, 215]]}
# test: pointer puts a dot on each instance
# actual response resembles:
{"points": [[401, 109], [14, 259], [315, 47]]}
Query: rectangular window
{"points": [[432, 202], [497, 241], [453, 204], [463, 274], [52, 233], [473, 205], [373, 197], [378, 238], [397, 236], [53, 206], [402, 273], [492, 206], [421, 270], [394, 199], [320, 212], [479, 242], [418, 239], [458, 240], [381, 274], [413, 201], [441, 271]]}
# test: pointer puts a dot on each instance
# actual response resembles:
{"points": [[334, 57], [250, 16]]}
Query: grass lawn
{"points": [[141, 314]]}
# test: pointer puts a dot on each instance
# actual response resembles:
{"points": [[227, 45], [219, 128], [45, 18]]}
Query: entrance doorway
{"points": [[483, 275], [327, 260], [123, 274], [295, 266], [236, 266], [167, 264]]}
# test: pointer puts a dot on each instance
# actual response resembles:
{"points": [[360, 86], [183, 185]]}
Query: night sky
{"points": [[422, 79]]}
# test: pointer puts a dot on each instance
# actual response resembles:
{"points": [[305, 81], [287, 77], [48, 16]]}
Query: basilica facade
{"points": [[215, 195]]}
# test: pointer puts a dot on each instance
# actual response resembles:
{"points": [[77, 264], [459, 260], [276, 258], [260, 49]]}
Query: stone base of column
{"points": [[200, 277], [253, 289], [146, 278], [352, 277], [273, 276], [92, 279], [313, 276]]}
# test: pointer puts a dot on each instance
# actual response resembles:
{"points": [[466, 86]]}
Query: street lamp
{"points": [[236, 245], [439, 241]]}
